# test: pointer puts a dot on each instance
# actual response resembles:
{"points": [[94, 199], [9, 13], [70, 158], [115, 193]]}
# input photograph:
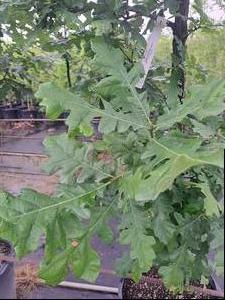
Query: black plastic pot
{"points": [[19, 108], [40, 115], [64, 115], [7, 277], [16, 104], [27, 113], [2, 107], [9, 113], [60, 124], [95, 125], [122, 281], [120, 288]]}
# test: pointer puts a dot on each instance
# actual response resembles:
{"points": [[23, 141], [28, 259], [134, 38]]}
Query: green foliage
{"points": [[60, 218], [203, 101], [212, 207], [63, 150], [142, 252], [157, 166], [118, 79], [173, 277], [162, 162], [202, 61]]}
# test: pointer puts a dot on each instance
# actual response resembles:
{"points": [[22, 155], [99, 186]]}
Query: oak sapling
{"points": [[159, 174]]}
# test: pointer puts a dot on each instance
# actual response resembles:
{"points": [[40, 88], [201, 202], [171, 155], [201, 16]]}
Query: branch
{"points": [[170, 24], [151, 16], [124, 53], [68, 72], [127, 9], [66, 57], [203, 26], [128, 16], [77, 9]]}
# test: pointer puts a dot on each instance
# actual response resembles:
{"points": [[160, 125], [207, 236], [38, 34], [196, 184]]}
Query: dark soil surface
{"points": [[4, 248], [150, 287]]}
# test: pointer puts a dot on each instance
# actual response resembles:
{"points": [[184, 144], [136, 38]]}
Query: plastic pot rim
{"points": [[4, 265]]}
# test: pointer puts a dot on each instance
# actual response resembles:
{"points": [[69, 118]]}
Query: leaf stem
{"points": [[135, 94], [56, 205]]}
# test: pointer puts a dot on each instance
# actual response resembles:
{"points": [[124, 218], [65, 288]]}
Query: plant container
{"points": [[2, 107], [40, 114], [9, 113], [95, 125], [7, 277], [153, 288], [20, 107], [16, 104], [28, 113], [64, 115]]}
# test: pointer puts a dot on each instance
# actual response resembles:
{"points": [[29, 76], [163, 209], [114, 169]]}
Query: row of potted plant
{"points": [[24, 110], [20, 110]]}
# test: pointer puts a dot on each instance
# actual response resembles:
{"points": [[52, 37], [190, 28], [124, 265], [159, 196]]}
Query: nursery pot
{"points": [[150, 288], [9, 113], [2, 107], [19, 108], [7, 277], [40, 114], [95, 125], [16, 104], [64, 115], [28, 113]]}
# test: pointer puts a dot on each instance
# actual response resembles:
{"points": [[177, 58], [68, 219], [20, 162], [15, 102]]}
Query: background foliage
{"points": [[157, 165]]}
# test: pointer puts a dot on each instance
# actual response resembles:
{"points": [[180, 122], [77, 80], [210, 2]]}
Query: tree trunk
{"points": [[180, 33]]}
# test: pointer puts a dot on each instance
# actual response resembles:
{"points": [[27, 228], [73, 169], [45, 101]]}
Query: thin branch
{"points": [[170, 24], [151, 16], [127, 9], [68, 72], [128, 16], [61, 203], [124, 53], [203, 27]]}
